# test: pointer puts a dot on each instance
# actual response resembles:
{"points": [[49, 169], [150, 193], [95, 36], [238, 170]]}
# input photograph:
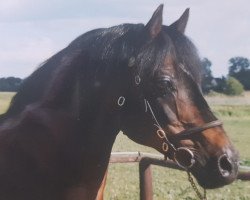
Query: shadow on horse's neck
{"points": [[69, 93], [73, 90]]}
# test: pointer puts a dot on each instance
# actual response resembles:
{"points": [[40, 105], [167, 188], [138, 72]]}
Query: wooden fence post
{"points": [[146, 188], [244, 176]]}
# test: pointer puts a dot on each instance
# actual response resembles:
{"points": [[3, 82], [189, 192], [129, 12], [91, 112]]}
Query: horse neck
{"points": [[100, 129], [73, 90], [99, 124]]}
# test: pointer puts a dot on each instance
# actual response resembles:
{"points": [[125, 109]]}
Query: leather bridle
{"points": [[186, 134], [183, 135], [178, 152]]}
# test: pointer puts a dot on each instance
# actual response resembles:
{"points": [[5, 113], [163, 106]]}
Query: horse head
{"points": [[164, 107]]}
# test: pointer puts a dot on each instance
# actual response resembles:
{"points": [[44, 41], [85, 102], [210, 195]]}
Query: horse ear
{"points": [[155, 23], [181, 23]]}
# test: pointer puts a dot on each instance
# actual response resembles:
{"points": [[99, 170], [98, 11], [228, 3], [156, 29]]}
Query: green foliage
{"points": [[240, 69], [244, 78], [238, 64], [220, 84], [10, 84], [233, 87], [229, 86], [207, 82]]}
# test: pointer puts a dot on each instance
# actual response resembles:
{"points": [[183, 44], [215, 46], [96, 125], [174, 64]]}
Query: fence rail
{"points": [[145, 161]]}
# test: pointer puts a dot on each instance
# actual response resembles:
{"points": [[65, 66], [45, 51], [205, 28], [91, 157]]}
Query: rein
{"points": [[189, 133]]}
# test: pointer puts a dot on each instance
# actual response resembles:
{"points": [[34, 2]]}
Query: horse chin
{"points": [[211, 176], [214, 182]]}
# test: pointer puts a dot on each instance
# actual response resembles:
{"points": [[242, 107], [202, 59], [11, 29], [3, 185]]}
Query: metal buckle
{"points": [[184, 157]]}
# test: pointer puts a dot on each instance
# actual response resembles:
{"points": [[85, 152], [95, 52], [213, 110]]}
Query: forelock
{"points": [[186, 54], [151, 56]]}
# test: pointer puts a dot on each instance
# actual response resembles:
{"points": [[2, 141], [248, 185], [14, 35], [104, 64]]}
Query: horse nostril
{"points": [[225, 165]]}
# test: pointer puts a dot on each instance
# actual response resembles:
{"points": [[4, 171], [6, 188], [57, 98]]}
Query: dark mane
{"points": [[105, 49], [186, 53], [152, 55], [108, 43], [104, 46], [93, 56]]}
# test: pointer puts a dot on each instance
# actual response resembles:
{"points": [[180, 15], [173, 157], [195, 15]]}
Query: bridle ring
{"points": [[121, 101], [161, 133], [164, 146], [189, 153], [137, 80]]}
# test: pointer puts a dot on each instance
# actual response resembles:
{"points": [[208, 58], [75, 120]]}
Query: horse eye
{"points": [[165, 85], [159, 88]]}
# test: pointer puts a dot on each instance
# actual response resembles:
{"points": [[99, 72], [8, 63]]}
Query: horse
{"points": [[144, 80]]}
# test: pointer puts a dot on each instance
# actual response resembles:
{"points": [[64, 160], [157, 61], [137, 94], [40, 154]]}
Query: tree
{"points": [[221, 84], [239, 68], [238, 64], [233, 86], [207, 82], [10, 84]]}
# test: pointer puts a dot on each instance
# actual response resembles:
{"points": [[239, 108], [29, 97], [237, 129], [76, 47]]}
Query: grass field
{"points": [[123, 182], [5, 100]]}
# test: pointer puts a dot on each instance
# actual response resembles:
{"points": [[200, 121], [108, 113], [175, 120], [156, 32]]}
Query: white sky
{"points": [[33, 30]]}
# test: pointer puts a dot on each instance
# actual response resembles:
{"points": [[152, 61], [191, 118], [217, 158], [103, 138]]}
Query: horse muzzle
{"points": [[218, 171]]}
